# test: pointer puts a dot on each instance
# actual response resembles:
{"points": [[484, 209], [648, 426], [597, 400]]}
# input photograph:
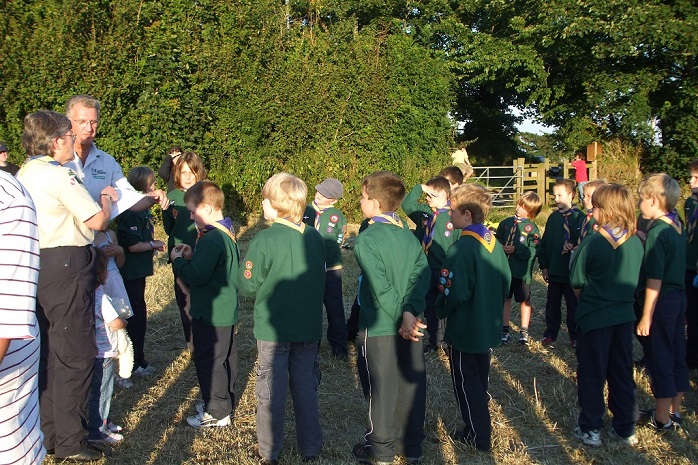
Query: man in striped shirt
{"points": [[19, 332]]}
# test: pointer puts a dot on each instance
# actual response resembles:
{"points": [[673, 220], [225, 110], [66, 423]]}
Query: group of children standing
{"points": [[458, 273]]}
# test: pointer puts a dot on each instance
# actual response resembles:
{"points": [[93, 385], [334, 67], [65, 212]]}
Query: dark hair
{"points": [[569, 185], [175, 149], [196, 165], [453, 174], [101, 261], [206, 192], [141, 177], [440, 183], [387, 188], [40, 129]]}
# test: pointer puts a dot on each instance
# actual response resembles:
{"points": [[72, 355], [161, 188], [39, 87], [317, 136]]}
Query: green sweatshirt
{"points": [[444, 233], [395, 277], [285, 270], [607, 277], [212, 276], [475, 280], [177, 222], [135, 227], [526, 240], [550, 256], [588, 227], [665, 247], [332, 225]]}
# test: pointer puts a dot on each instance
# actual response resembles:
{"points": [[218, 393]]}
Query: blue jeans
{"points": [[580, 187], [99, 400], [284, 364]]}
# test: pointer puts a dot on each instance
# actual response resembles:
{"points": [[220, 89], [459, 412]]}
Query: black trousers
{"points": [[138, 323], [553, 310], [393, 378], [691, 321], [435, 325], [606, 354], [181, 300], [216, 362], [353, 321], [65, 311], [470, 376], [334, 307]]}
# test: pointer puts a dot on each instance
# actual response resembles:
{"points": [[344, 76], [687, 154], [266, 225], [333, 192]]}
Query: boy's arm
{"points": [[374, 273], [420, 278], [652, 288], [411, 205], [168, 221], [199, 270], [578, 267], [463, 272], [527, 249], [542, 251], [254, 269]]}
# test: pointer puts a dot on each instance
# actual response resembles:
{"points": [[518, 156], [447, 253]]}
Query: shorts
{"points": [[519, 290]]}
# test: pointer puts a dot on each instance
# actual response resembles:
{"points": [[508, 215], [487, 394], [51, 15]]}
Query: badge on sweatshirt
{"points": [[334, 219], [247, 274], [528, 228], [248, 265]]}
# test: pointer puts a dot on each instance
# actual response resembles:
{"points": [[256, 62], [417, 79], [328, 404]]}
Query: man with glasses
{"points": [[96, 168]]}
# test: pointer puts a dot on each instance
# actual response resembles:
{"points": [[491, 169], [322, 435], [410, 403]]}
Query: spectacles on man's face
{"points": [[84, 122], [72, 135]]}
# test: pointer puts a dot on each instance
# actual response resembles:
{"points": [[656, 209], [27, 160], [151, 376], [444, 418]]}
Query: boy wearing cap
{"points": [[6, 166], [332, 225]]}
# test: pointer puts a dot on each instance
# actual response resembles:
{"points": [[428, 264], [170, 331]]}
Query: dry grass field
{"points": [[533, 401]]}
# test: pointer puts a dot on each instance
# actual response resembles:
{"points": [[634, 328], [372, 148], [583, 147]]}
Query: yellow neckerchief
{"points": [[42, 158], [298, 227], [667, 220], [483, 235], [616, 240]]}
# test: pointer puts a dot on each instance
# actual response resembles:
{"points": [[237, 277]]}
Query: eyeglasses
{"points": [[71, 135], [84, 122]]}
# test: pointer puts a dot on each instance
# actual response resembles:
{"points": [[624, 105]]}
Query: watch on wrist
{"points": [[152, 245]]}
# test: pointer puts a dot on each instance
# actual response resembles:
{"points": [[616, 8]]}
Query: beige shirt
{"points": [[62, 203]]}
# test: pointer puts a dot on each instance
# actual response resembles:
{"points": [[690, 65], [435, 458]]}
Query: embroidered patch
{"points": [[175, 212], [248, 265], [134, 228], [528, 228], [332, 224], [441, 288], [448, 283], [446, 291], [424, 223], [73, 181], [444, 272], [447, 233], [247, 274], [535, 242], [329, 230], [595, 227], [442, 280], [522, 239], [449, 226], [334, 218], [535, 236]]}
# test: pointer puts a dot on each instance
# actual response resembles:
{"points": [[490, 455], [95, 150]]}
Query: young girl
{"points": [[135, 232], [107, 321], [604, 274], [189, 169]]}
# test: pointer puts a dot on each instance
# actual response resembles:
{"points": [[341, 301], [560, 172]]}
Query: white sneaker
{"points": [[123, 383], [205, 420], [112, 438], [200, 406], [144, 372], [590, 438], [114, 428], [629, 441]]}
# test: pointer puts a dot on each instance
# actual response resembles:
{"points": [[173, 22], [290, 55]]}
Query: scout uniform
{"points": [[691, 216], [523, 234]]}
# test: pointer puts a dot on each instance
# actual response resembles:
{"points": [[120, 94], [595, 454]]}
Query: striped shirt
{"points": [[20, 434]]}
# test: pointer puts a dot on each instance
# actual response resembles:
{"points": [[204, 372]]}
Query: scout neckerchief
{"points": [[42, 158], [387, 217], [585, 224], [318, 212], [300, 227], [673, 220], [566, 223], [225, 225], [616, 237], [693, 220], [482, 234], [512, 233], [429, 228]]}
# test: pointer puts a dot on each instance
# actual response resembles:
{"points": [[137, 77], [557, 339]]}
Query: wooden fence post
{"points": [[519, 168]]}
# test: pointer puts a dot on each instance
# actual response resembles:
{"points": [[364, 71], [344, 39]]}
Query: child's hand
{"points": [[112, 250], [411, 326], [508, 249], [643, 327], [159, 246], [187, 252], [545, 275], [567, 246], [176, 253]]}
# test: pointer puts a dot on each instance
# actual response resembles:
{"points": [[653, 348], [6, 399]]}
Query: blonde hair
{"points": [[615, 207], [206, 192], [595, 184], [662, 186], [286, 194], [531, 202], [474, 198]]}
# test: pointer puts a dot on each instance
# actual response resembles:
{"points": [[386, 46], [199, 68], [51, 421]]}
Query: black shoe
{"points": [[88, 454], [50, 451]]}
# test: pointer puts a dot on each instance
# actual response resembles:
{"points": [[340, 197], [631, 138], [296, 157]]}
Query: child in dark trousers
{"points": [[331, 223], [395, 278], [560, 236], [604, 275], [436, 234], [475, 280], [285, 271], [691, 216], [135, 234], [210, 271], [664, 309]]}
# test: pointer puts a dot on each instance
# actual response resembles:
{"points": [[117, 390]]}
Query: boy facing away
{"points": [[331, 223], [436, 233], [285, 271], [210, 271], [475, 280], [691, 216], [664, 309], [560, 236], [395, 279], [520, 237]]}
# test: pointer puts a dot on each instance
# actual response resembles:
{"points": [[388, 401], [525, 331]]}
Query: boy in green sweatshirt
{"points": [[210, 270]]}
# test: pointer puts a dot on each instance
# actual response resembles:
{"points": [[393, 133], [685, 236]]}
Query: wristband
{"points": [[152, 245], [106, 195]]}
